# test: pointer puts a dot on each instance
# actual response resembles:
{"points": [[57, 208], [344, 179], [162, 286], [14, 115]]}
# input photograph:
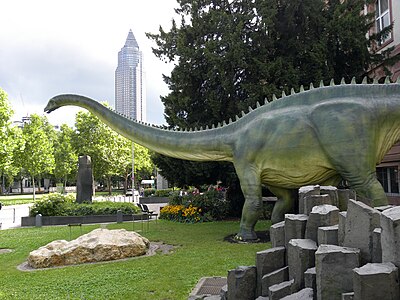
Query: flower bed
{"points": [[193, 208]]}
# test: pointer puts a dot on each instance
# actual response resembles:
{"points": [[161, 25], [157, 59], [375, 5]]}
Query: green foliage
{"points": [[37, 158], [60, 205], [110, 152], [163, 193], [65, 155], [208, 206], [149, 192], [8, 141]]}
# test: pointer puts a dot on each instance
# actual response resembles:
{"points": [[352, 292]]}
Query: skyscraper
{"points": [[130, 96]]}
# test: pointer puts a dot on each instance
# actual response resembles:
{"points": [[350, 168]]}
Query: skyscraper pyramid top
{"points": [[131, 41]]}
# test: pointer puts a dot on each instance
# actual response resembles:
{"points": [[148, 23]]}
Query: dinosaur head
{"points": [[51, 105]]}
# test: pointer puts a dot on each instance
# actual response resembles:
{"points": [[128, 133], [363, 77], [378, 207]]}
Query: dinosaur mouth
{"points": [[48, 109]]}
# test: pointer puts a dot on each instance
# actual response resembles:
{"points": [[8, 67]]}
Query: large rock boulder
{"points": [[98, 245]]}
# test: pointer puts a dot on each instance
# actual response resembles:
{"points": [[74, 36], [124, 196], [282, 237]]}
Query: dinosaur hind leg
{"points": [[285, 204], [347, 134], [369, 190]]}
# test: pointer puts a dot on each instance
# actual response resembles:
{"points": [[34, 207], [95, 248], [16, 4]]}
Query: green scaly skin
{"points": [[316, 136]]}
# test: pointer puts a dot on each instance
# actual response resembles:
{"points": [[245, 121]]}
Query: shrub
{"points": [[149, 192], [163, 193], [208, 206], [60, 205]]}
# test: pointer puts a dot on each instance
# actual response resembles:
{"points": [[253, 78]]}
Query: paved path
{"points": [[10, 216]]}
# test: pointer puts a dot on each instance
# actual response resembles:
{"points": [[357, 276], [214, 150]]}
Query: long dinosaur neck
{"points": [[200, 145]]}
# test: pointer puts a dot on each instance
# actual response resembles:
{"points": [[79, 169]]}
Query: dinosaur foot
{"points": [[246, 236]]}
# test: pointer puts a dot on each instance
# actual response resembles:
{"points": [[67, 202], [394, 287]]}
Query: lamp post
{"points": [[133, 172]]}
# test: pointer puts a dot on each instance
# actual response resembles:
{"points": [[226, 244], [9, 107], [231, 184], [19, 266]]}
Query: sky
{"points": [[52, 47]]}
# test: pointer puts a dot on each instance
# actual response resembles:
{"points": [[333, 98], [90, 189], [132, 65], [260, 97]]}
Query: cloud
{"points": [[72, 47]]}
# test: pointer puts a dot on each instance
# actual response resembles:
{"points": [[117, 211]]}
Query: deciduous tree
{"points": [[38, 158]]}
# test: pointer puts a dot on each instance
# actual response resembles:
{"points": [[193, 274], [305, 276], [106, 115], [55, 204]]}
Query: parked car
{"points": [[129, 192]]}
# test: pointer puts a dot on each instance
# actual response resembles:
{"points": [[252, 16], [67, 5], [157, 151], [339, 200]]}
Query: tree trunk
{"points": [[109, 185], [20, 183], [64, 191], [2, 188], [126, 183], [34, 194]]}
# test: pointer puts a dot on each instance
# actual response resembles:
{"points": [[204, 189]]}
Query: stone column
{"points": [[278, 291], [332, 191], [306, 191], [328, 235], [295, 227], [315, 200], [321, 215], [242, 283], [273, 278], [376, 246], [361, 220], [342, 227], [84, 181], [334, 270], [277, 234], [390, 236], [268, 261], [376, 281], [301, 256]]}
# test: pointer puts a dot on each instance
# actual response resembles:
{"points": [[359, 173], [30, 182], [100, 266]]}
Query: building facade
{"points": [[388, 12], [130, 96]]}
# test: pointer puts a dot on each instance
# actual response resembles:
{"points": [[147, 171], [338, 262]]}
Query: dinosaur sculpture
{"points": [[316, 136]]}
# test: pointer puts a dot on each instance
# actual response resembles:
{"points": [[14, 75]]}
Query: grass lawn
{"points": [[19, 199], [200, 252]]}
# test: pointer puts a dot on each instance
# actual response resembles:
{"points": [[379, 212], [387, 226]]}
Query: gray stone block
{"points": [[213, 297], [310, 280], [342, 227], [84, 180], [332, 191], [272, 278], [277, 234], [306, 191], [315, 200], [268, 261], [361, 220], [328, 235], [348, 296], [376, 246], [304, 294], [295, 227], [278, 291], [301, 256], [384, 207], [224, 292], [334, 270], [262, 298], [242, 283], [390, 236], [376, 281], [321, 215]]}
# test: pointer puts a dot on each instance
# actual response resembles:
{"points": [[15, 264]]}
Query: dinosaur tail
{"points": [[205, 145]]}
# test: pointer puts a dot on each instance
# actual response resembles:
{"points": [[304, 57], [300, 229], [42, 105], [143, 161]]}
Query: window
{"points": [[388, 177], [382, 18]]}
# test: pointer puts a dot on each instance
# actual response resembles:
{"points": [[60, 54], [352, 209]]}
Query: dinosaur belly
{"points": [[293, 169]]}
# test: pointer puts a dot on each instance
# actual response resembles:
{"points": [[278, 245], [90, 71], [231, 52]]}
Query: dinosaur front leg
{"points": [[250, 183]]}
